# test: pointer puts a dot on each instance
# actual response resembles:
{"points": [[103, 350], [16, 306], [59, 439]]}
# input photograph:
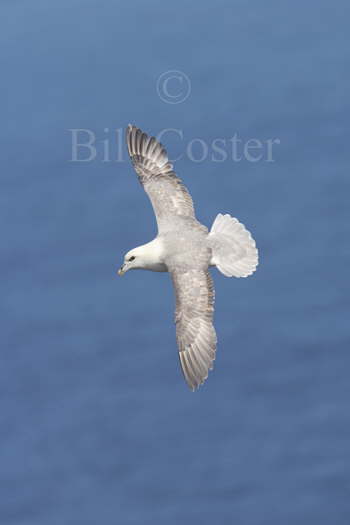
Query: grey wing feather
{"points": [[169, 197], [195, 333]]}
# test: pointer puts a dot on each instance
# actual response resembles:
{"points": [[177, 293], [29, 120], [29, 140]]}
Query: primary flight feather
{"points": [[185, 249]]}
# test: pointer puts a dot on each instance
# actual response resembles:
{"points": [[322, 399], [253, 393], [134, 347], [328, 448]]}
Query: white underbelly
{"points": [[158, 267]]}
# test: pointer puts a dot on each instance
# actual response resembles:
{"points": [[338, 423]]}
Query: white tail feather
{"points": [[234, 251]]}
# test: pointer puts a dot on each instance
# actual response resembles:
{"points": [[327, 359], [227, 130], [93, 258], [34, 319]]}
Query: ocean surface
{"points": [[97, 424]]}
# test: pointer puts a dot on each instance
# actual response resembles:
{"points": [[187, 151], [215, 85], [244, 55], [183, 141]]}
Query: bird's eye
{"points": [[132, 258]]}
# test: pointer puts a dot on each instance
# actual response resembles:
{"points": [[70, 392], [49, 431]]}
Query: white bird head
{"points": [[132, 260], [145, 257]]}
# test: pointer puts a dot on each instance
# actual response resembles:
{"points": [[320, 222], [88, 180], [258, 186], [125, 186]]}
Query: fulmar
{"points": [[186, 249]]}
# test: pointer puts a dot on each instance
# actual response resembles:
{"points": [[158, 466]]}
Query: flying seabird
{"points": [[186, 249]]}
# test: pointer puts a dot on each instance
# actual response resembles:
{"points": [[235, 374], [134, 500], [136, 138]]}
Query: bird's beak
{"points": [[122, 270]]}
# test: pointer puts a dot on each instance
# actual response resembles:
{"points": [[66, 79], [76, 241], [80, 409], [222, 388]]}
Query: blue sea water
{"points": [[97, 424]]}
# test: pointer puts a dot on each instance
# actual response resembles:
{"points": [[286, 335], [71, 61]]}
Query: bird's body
{"points": [[185, 249]]}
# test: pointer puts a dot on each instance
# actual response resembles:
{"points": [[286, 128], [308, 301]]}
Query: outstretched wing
{"points": [[169, 197], [195, 333]]}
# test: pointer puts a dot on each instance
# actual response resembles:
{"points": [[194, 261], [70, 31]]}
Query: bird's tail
{"points": [[234, 251]]}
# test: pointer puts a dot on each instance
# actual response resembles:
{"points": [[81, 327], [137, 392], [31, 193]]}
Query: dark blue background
{"points": [[97, 424]]}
